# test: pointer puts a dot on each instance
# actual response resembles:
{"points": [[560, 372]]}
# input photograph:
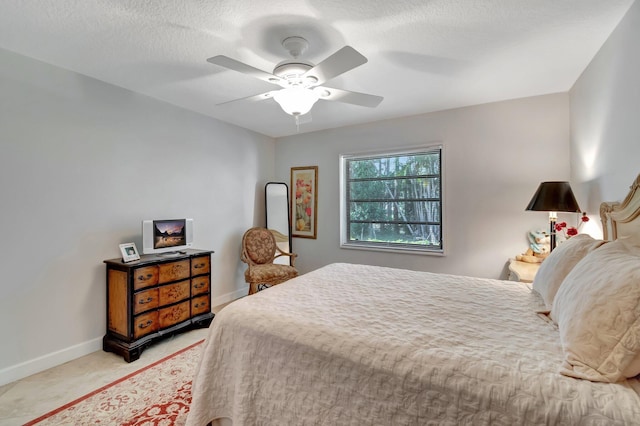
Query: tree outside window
{"points": [[393, 200]]}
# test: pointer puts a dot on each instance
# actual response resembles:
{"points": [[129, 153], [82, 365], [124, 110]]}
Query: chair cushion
{"points": [[260, 245], [270, 273]]}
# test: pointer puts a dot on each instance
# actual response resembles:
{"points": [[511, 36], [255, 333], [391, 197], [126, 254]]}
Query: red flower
{"points": [[570, 231], [308, 211], [560, 225]]}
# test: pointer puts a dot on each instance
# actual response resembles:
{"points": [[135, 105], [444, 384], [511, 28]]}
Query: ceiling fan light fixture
{"points": [[292, 69], [296, 100], [311, 80], [322, 92]]}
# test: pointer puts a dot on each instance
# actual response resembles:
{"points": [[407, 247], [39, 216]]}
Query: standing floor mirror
{"points": [[276, 200]]}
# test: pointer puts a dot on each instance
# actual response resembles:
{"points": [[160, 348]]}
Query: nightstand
{"points": [[522, 271]]}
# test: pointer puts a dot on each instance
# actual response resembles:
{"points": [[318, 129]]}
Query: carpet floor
{"points": [[158, 394]]}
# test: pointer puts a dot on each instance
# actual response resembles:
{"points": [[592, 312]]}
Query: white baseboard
{"points": [[229, 297], [36, 365], [27, 368]]}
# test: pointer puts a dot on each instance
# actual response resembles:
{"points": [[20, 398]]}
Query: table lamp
{"points": [[554, 197]]}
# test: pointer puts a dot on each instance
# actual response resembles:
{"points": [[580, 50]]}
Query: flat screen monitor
{"points": [[166, 235]]}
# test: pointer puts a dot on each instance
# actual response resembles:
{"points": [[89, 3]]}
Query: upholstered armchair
{"points": [[259, 250]]}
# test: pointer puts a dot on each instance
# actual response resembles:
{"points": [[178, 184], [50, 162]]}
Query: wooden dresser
{"points": [[156, 297]]}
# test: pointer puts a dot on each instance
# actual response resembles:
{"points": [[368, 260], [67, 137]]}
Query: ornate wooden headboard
{"points": [[619, 219]]}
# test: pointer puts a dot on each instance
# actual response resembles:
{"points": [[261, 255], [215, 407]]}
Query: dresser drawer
{"points": [[145, 324], [200, 305], [145, 300], [199, 285], [174, 271], [174, 314], [145, 277], [200, 265], [173, 293]]}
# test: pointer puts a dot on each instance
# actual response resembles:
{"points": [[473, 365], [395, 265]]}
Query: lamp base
{"points": [[552, 234]]}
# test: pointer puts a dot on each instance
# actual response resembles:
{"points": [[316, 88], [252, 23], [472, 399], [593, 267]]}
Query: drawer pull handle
{"points": [[198, 266], [145, 325], [198, 286], [143, 278], [197, 305], [147, 300]]}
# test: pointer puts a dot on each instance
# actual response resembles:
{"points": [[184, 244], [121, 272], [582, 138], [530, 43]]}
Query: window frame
{"points": [[344, 225]]}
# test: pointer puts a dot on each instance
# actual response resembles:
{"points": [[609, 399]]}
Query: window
{"points": [[393, 200]]}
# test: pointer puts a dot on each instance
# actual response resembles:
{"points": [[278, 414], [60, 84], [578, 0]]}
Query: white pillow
{"points": [[559, 263], [597, 309]]}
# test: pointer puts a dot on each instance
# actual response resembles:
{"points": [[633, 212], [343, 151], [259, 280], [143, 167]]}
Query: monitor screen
{"points": [[169, 233]]}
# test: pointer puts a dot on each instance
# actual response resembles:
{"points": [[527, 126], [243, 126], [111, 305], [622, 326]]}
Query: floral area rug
{"points": [[158, 394]]}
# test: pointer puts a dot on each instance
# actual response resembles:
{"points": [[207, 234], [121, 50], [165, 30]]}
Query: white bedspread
{"points": [[354, 344]]}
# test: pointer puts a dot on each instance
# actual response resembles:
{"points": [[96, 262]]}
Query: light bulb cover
{"points": [[296, 100]]}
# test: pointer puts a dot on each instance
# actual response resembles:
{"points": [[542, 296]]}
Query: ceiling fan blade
{"points": [[355, 98], [232, 64], [252, 98], [340, 62]]}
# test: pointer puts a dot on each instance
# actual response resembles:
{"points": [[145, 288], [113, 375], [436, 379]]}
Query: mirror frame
{"points": [[288, 207]]}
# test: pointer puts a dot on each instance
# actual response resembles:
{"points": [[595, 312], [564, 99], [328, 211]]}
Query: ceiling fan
{"points": [[301, 81]]}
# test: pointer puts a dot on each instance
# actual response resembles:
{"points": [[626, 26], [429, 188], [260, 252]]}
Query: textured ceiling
{"points": [[424, 55]]}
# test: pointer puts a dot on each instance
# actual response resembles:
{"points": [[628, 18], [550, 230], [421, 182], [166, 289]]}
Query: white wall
{"points": [[495, 156], [82, 163], [605, 117]]}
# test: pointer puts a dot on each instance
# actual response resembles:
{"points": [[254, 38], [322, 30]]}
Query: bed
{"points": [[355, 344]]}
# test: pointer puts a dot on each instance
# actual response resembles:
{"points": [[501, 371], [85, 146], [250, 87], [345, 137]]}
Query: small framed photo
{"points": [[129, 252]]}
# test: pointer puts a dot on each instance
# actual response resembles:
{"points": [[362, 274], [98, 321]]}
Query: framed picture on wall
{"points": [[129, 252], [304, 201]]}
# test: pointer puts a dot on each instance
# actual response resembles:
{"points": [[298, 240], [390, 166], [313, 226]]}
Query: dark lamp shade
{"points": [[554, 197]]}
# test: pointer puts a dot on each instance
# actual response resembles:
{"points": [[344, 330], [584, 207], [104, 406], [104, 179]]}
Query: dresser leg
{"points": [[123, 349], [203, 321], [132, 355]]}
